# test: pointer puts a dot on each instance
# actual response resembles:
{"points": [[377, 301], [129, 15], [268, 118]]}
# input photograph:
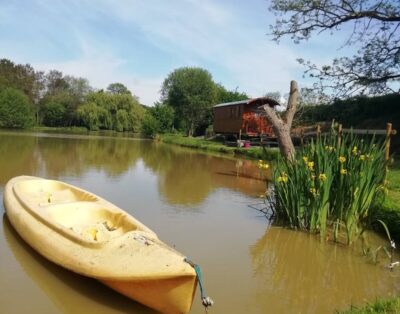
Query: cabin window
{"points": [[232, 112]]}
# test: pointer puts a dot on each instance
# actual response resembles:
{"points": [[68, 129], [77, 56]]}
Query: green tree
{"points": [[151, 125], [118, 88], [88, 113], [62, 98], [375, 36], [164, 115], [55, 82], [23, 78], [223, 95], [191, 92], [15, 109], [53, 114], [120, 112]]}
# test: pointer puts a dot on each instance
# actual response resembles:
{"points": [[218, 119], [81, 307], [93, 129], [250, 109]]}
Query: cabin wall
{"points": [[228, 119], [231, 119]]}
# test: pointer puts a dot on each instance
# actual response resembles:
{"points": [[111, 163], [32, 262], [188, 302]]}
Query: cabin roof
{"points": [[260, 100]]}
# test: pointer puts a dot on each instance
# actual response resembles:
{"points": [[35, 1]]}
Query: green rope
{"points": [[206, 301]]}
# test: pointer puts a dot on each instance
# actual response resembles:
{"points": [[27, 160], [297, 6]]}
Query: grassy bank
{"points": [[73, 129], [218, 147], [389, 211]]}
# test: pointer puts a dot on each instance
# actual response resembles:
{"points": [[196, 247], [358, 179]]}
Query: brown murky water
{"points": [[195, 202]]}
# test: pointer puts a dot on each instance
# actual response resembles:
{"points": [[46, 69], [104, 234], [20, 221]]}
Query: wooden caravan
{"points": [[244, 116]]}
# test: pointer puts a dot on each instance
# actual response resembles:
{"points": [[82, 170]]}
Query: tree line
{"points": [[29, 97]]}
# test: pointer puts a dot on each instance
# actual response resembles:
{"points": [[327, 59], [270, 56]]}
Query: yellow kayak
{"points": [[90, 236]]}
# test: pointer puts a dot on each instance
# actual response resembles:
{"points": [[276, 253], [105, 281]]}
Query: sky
{"points": [[138, 43]]}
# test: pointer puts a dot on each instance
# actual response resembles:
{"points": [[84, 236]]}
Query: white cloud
{"points": [[207, 33], [217, 36]]}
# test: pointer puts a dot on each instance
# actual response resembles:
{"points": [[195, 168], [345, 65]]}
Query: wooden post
{"points": [[240, 134], [340, 133], [387, 142]]}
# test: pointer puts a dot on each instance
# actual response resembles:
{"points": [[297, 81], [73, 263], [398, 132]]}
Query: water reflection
{"points": [[87, 294], [184, 176], [282, 272], [295, 272], [187, 177]]}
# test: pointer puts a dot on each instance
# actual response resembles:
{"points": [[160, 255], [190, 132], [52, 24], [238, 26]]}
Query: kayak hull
{"points": [[88, 235]]}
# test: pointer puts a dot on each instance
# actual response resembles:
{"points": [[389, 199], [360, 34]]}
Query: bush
{"points": [[150, 125], [15, 109], [53, 114]]}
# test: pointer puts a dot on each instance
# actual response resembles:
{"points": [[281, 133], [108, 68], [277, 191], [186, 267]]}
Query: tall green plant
{"points": [[331, 183]]}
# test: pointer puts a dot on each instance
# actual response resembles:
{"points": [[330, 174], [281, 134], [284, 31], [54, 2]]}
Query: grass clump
{"points": [[331, 183], [379, 306]]}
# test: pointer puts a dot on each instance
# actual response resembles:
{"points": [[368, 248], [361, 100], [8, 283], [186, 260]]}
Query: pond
{"points": [[195, 202]]}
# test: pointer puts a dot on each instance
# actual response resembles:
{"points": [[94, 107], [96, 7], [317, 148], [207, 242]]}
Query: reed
{"points": [[331, 185]]}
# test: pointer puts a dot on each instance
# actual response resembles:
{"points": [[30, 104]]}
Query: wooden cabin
{"points": [[245, 116]]}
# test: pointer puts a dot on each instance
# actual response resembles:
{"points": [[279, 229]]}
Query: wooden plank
{"points": [[365, 131]]}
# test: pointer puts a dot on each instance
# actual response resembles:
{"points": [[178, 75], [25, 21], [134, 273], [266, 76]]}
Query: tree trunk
{"points": [[282, 126]]}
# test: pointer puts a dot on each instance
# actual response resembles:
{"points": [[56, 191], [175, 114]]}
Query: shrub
{"points": [[15, 109], [53, 114], [150, 125]]}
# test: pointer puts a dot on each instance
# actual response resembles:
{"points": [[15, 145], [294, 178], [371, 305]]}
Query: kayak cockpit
{"points": [[77, 214], [46, 192], [91, 221]]}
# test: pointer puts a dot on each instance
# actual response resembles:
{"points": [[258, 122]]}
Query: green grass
{"points": [[218, 147], [379, 306], [389, 210]]}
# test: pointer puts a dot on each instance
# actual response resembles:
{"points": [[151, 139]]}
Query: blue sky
{"points": [[138, 43]]}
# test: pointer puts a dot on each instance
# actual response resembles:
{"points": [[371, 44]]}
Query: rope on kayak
{"points": [[206, 301]]}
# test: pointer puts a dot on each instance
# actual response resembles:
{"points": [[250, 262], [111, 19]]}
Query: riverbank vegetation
{"points": [[34, 98], [216, 146], [331, 185], [380, 306]]}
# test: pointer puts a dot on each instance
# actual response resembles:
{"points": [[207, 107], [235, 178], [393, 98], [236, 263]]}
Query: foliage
{"points": [[158, 119], [164, 115], [331, 184], [67, 91], [217, 147], [150, 125], [374, 36], [120, 112], [389, 211], [63, 99], [223, 95], [191, 92], [21, 77], [15, 109], [118, 88], [53, 114], [89, 113], [355, 111], [380, 306]]}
